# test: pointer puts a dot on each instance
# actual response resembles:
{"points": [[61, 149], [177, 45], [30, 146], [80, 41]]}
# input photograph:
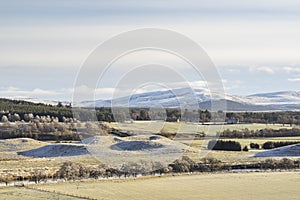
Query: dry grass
{"points": [[10, 161], [205, 186], [21, 193], [171, 127], [246, 186]]}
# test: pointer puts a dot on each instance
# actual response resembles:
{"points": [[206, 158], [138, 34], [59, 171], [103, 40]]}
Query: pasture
{"points": [[231, 186], [182, 127]]}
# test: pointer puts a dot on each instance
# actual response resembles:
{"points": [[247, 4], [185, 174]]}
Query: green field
{"points": [[246, 186]]}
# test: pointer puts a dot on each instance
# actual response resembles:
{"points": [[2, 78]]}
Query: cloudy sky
{"points": [[254, 44]]}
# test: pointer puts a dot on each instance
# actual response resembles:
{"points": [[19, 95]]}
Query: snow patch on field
{"points": [[113, 147], [56, 150], [287, 151], [19, 144]]}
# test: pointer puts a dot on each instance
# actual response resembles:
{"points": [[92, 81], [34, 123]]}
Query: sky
{"points": [[255, 45]]}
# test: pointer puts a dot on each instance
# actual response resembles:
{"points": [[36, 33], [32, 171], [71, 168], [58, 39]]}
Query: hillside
{"points": [[186, 98]]}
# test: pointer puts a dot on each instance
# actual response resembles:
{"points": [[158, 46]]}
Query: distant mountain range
{"points": [[186, 98], [277, 101]]}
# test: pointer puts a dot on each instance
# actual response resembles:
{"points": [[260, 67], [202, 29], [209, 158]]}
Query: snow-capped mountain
{"points": [[200, 98], [186, 98]]}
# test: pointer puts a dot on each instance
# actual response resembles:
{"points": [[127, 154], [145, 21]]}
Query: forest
{"points": [[15, 110]]}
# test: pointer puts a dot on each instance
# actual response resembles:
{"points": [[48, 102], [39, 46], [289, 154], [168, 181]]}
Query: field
{"points": [[27, 193], [171, 127], [10, 160], [246, 186], [201, 186], [197, 150]]}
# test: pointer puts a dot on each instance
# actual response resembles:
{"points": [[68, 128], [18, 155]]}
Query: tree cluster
{"points": [[224, 145], [284, 117], [272, 145], [246, 133]]}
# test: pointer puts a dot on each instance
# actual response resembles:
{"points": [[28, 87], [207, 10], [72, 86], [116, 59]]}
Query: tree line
{"points": [[272, 145], [246, 133], [228, 145], [21, 108], [284, 117], [76, 171]]}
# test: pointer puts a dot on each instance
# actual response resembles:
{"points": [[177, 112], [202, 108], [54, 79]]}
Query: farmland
{"points": [[48, 156], [155, 127], [276, 185]]}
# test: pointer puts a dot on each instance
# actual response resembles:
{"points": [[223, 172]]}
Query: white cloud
{"points": [[13, 92], [263, 69], [291, 69], [294, 79], [233, 70]]}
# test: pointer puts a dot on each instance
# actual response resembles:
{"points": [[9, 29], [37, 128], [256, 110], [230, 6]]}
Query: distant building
{"points": [[233, 121]]}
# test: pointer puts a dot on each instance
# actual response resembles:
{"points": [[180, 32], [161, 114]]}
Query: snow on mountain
{"points": [[284, 97], [184, 97], [188, 98]]}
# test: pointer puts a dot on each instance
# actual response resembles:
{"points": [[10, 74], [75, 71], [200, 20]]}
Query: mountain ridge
{"points": [[191, 98], [282, 100]]}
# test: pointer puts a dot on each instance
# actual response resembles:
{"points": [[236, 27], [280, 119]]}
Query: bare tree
{"points": [[16, 117], [4, 119]]}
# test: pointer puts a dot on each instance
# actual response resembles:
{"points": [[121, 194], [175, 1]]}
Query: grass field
{"points": [[22, 193], [246, 186], [171, 127], [11, 162], [232, 156], [257, 186]]}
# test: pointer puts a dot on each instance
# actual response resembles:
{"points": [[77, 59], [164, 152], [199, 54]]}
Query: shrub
{"points": [[224, 145], [245, 148], [254, 146], [284, 163]]}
